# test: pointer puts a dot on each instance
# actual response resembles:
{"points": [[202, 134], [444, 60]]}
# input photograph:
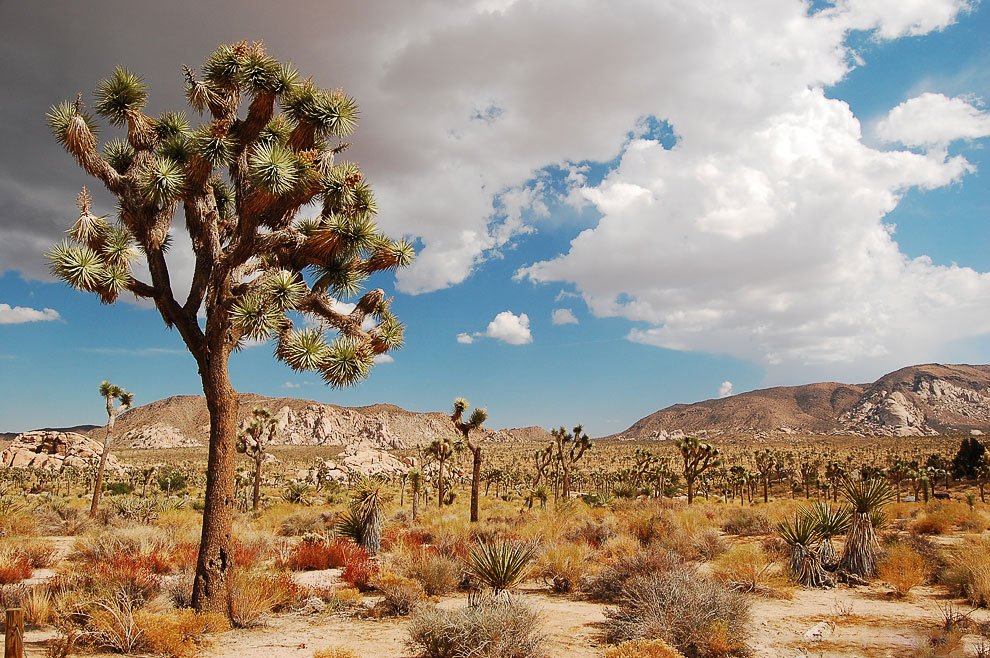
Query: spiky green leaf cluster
{"points": [[830, 520], [867, 496], [802, 530], [119, 154], [275, 168], [347, 362], [501, 564], [331, 113], [120, 95], [217, 149], [72, 129], [163, 181]]}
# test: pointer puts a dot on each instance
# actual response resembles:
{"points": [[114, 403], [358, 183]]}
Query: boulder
{"points": [[56, 450]]}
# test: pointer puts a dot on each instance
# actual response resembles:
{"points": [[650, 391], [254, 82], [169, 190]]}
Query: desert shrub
{"points": [[177, 633], [902, 568], [14, 565], [968, 572], [747, 521], [400, 594], [609, 584], [709, 545], [111, 623], [437, 573], [359, 570], [39, 606], [933, 555], [649, 527], [620, 546], [745, 568], [335, 652], [936, 522], [561, 566], [642, 649], [251, 599], [304, 521], [699, 617], [594, 532], [247, 550], [41, 553], [508, 628]]}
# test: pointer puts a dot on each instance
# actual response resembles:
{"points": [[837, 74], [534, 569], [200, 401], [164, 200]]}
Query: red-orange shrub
{"points": [[360, 571], [14, 567]]}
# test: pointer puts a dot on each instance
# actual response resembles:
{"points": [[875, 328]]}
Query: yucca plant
{"points": [[363, 521], [867, 499], [831, 521], [801, 534], [501, 564]]}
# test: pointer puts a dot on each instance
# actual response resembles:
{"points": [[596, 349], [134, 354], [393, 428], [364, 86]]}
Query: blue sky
{"points": [[752, 194]]}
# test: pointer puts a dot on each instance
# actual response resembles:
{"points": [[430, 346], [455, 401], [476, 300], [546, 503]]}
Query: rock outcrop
{"points": [[356, 459], [183, 421], [55, 451]]}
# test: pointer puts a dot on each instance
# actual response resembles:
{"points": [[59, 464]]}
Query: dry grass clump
{"points": [[400, 594], [253, 596], [935, 522], [39, 606], [438, 574], [335, 652], [642, 649], [968, 572], [41, 553], [903, 569], [709, 545], [747, 521], [699, 617], [609, 584], [594, 531], [178, 633], [747, 568], [562, 566], [14, 565], [506, 628]]}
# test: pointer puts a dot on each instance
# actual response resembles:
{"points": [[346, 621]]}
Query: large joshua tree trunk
{"points": [[806, 566], [211, 588]]}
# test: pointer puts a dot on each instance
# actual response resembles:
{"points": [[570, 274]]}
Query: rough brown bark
{"points": [[211, 588]]}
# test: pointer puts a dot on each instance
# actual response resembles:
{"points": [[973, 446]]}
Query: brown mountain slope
{"points": [[183, 420], [915, 401]]}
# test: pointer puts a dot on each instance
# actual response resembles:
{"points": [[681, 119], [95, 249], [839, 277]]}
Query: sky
{"points": [[616, 206]]}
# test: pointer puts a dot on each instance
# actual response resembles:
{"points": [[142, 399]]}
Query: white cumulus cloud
{"points": [[725, 389], [384, 358], [20, 314], [510, 328], [465, 338], [563, 316], [933, 119]]}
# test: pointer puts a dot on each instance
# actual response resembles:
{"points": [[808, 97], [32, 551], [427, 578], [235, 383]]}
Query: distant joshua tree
{"points": [[766, 461], [441, 449], [110, 393], [697, 457], [570, 448], [254, 442], [478, 418]]}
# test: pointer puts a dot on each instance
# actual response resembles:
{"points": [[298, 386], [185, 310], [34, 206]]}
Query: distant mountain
{"points": [[183, 420], [78, 429], [925, 400]]}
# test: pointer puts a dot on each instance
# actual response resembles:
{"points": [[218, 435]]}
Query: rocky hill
{"points": [[183, 421], [925, 400]]}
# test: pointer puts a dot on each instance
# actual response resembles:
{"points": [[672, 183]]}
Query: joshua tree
{"points": [[834, 472], [110, 393], [867, 499], [478, 418], [441, 449], [897, 473], [698, 457], [415, 486], [801, 534], [983, 475], [766, 461], [240, 179], [570, 448], [254, 442]]}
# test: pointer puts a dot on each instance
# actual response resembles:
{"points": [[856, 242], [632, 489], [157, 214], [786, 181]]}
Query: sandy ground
{"points": [[862, 622]]}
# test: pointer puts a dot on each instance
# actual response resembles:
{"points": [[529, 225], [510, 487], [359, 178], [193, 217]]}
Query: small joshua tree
{"points": [[265, 153], [697, 458], [363, 522], [766, 461], [441, 449], [867, 499], [570, 448], [478, 418], [254, 442], [415, 487], [110, 393]]}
